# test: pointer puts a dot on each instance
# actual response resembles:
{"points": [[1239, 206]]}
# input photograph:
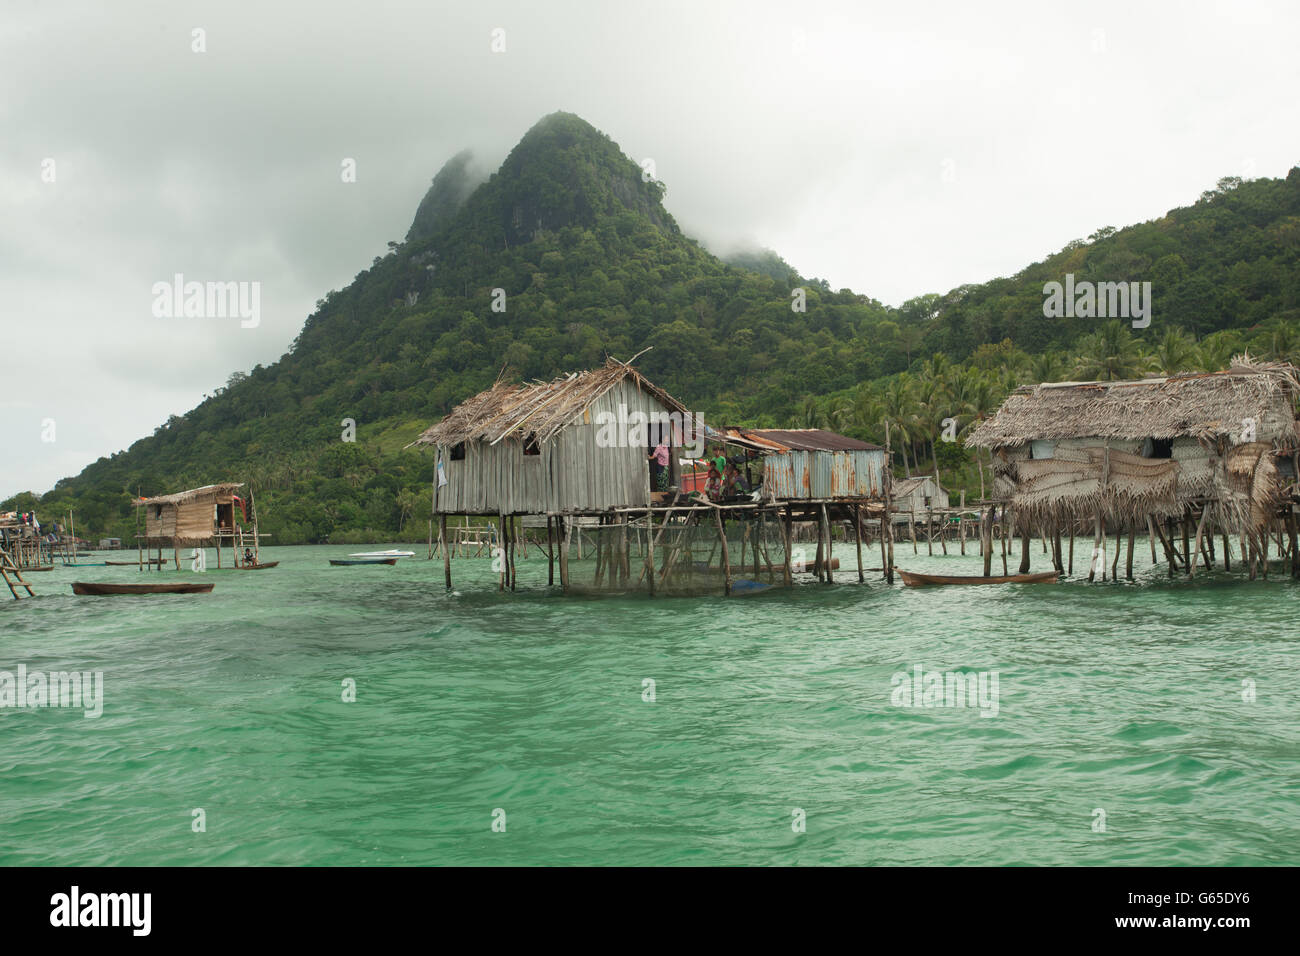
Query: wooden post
{"points": [[857, 528], [1114, 562], [786, 536], [726, 561], [986, 539], [1128, 561], [501, 547], [929, 532], [818, 561], [1070, 570], [1096, 550], [1003, 538], [1227, 552], [1151, 539], [1024, 550], [826, 530], [1291, 535], [510, 552], [650, 549], [562, 527], [446, 551]]}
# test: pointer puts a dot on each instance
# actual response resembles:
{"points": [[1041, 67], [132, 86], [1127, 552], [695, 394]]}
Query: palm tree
{"points": [[899, 413], [1110, 354], [1047, 367], [1176, 352], [1217, 350]]}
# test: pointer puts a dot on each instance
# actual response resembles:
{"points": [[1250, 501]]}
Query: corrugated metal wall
{"points": [[826, 474]]}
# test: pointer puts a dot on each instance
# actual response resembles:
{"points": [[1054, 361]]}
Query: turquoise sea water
{"points": [[1114, 697]]}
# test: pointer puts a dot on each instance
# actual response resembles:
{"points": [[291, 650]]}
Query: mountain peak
{"points": [[450, 188], [563, 172]]}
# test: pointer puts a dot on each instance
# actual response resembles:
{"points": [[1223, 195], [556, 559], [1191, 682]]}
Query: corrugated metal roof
{"points": [[799, 439]]}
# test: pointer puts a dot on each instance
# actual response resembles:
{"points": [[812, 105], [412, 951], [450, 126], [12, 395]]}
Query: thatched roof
{"points": [[541, 409], [181, 497], [1201, 406]]}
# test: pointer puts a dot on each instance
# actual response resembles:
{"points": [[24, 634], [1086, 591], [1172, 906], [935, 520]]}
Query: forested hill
{"points": [[567, 254]]}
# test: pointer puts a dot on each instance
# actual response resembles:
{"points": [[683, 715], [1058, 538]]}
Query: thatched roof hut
{"points": [[194, 516], [575, 444], [1219, 442]]}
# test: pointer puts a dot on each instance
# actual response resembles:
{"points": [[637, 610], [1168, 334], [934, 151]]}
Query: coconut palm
{"points": [[1217, 350], [1110, 354], [1176, 352], [1047, 367]]}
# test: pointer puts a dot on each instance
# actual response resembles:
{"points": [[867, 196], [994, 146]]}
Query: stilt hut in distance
{"points": [[199, 517], [1216, 450], [917, 497]]}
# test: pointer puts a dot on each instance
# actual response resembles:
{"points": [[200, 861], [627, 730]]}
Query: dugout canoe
{"points": [[342, 562], [257, 567], [914, 579], [103, 589]]}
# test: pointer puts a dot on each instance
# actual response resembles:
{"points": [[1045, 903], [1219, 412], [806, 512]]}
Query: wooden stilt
{"points": [[986, 540], [1003, 538], [1024, 551], [563, 534], [446, 551], [1096, 550], [826, 531], [786, 570], [1128, 561], [1070, 570], [1227, 552], [857, 529], [650, 550], [726, 560]]}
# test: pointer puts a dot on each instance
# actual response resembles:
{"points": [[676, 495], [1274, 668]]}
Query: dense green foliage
{"points": [[566, 254]]}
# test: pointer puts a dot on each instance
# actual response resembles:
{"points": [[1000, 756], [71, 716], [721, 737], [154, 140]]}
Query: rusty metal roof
{"points": [[797, 439]]}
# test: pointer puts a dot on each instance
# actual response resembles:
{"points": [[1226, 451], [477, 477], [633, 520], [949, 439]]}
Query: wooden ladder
{"points": [[7, 565]]}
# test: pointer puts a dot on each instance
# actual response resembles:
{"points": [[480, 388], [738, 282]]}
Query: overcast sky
{"points": [[895, 149]]}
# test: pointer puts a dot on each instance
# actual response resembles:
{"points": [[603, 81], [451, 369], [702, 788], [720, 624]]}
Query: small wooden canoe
{"points": [[258, 567], [134, 564], [103, 589], [914, 579], [43, 567], [347, 561]]}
